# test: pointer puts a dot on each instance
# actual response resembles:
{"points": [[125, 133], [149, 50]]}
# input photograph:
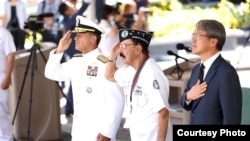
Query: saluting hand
{"points": [[197, 91], [64, 42], [100, 137], [115, 51]]}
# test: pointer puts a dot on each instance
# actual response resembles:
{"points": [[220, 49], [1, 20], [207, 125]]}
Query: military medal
{"points": [[89, 90], [91, 72]]}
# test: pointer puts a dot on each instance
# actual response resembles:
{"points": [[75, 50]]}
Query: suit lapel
{"points": [[211, 72]]}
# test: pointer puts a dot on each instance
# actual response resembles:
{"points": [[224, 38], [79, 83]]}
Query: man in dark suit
{"points": [[218, 98]]}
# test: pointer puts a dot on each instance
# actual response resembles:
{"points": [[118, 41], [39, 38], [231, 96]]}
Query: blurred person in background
{"points": [[142, 10], [124, 17], [47, 10], [141, 3], [107, 22], [128, 13], [14, 17], [98, 9], [73, 3], [129, 17], [107, 17], [7, 60]]}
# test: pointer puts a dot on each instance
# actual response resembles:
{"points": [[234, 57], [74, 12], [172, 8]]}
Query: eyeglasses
{"points": [[125, 45], [197, 35]]}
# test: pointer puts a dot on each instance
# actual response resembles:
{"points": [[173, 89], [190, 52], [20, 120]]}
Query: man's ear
{"points": [[93, 39], [138, 48], [214, 41]]}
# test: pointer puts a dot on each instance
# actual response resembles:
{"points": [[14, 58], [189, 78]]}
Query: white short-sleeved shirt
{"points": [[150, 95], [6, 46]]}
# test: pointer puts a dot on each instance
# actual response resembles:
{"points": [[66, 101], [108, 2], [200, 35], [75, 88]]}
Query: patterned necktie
{"points": [[201, 73]]}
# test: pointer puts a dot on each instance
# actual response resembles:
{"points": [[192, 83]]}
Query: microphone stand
{"points": [[177, 70]]}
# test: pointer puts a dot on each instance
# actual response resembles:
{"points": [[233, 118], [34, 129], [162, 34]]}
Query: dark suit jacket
{"points": [[222, 103]]}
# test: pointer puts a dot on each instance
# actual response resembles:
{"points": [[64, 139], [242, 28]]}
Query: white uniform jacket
{"points": [[150, 95], [98, 103]]}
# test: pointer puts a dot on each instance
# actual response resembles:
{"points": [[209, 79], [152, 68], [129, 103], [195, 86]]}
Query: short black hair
{"points": [[62, 8], [106, 10]]}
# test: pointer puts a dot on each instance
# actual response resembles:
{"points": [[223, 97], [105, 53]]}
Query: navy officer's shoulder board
{"points": [[102, 58]]}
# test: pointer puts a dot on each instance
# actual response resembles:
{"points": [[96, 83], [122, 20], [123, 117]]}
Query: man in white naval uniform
{"points": [[98, 107], [145, 86], [7, 59]]}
